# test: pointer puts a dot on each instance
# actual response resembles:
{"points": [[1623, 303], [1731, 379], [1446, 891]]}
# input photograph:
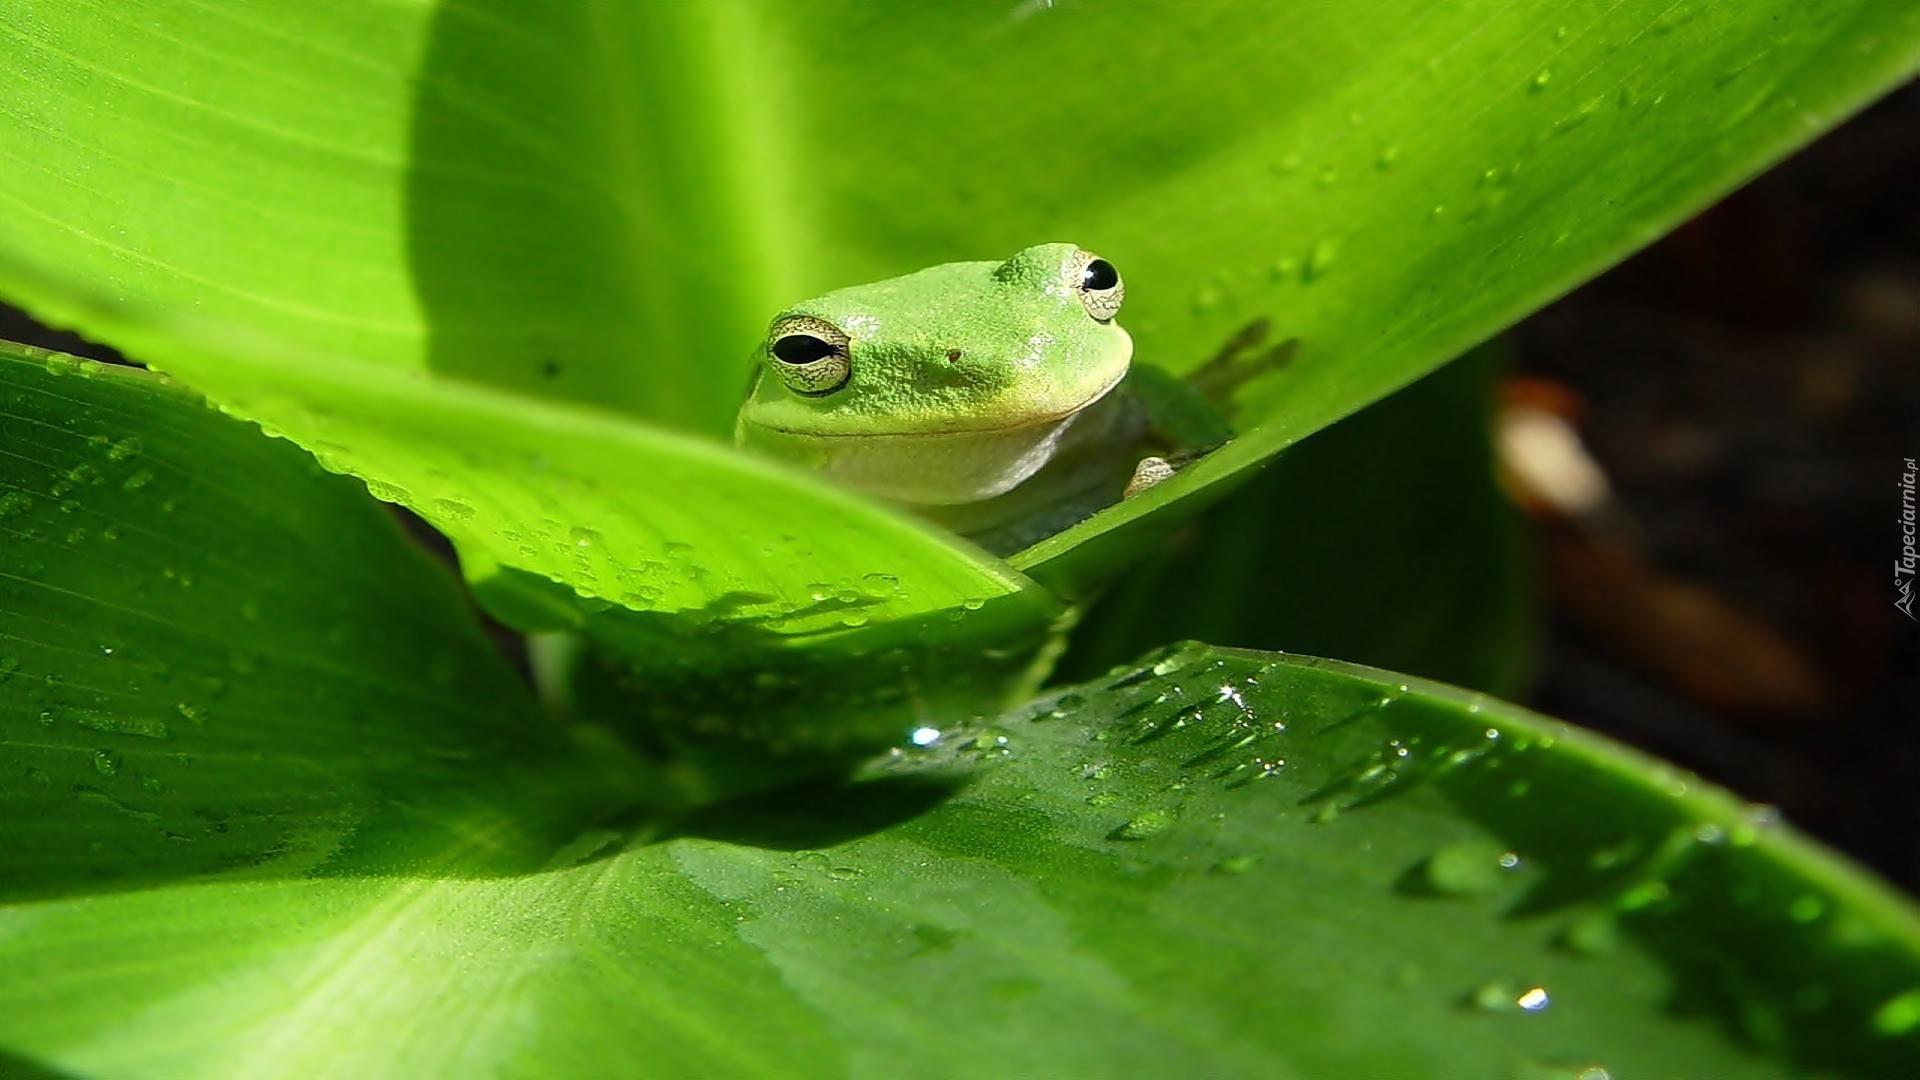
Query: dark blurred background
{"points": [[1749, 386]]}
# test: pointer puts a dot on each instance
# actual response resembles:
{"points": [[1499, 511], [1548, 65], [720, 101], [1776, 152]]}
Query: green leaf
{"points": [[624, 513], [214, 657], [617, 195], [1386, 183], [1221, 863], [1384, 539]]}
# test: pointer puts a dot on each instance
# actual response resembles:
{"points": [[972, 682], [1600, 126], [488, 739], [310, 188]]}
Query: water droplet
{"points": [[115, 723], [1595, 935], [1284, 266], [1899, 1015], [1467, 868], [1492, 997], [1607, 858], [1239, 864], [124, 449], [453, 508], [138, 480], [925, 736], [1321, 259], [1502, 996], [1643, 895], [1151, 823], [1577, 117], [1758, 819], [1102, 798], [14, 502], [1806, 909], [583, 537], [386, 492], [1542, 1070], [106, 763], [8, 665], [1541, 80]]}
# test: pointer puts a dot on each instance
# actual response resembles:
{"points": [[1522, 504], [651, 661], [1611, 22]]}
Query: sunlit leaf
{"points": [[216, 658], [1218, 864], [603, 202]]}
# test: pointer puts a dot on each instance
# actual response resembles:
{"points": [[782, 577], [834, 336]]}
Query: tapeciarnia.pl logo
{"points": [[1903, 567]]}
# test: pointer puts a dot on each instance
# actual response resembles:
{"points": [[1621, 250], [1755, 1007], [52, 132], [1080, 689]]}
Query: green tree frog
{"points": [[991, 397]]}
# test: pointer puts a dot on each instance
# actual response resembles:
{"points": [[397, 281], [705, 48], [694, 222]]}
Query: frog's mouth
{"points": [[948, 468]]}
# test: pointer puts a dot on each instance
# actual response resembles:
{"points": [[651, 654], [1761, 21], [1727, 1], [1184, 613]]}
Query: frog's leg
{"points": [[1182, 426], [1149, 472]]}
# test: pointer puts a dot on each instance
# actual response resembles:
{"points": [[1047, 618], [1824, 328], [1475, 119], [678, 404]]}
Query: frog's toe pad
{"points": [[1149, 472]]}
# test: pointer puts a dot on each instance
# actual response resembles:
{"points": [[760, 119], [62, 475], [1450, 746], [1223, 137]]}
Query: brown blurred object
{"points": [[1749, 387], [1690, 638], [1701, 645]]}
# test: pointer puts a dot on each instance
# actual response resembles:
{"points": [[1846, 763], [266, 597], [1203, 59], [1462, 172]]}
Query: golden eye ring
{"points": [[811, 355]]}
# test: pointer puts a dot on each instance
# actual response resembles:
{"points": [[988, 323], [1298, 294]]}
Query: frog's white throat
{"points": [[954, 468]]}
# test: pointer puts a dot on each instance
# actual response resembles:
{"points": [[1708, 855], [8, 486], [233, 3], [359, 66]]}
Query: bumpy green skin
{"points": [[1028, 352], [985, 396]]}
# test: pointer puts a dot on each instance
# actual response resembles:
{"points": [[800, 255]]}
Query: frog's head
{"points": [[974, 347]]}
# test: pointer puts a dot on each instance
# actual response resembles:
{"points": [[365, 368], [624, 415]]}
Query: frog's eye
{"points": [[810, 354], [1099, 285]]}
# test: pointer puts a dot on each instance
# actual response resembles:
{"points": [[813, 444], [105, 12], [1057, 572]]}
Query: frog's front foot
{"points": [[1149, 472]]}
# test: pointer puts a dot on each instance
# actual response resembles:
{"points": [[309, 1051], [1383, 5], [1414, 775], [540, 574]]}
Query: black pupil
{"points": [[1099, 276], [801, 349]]}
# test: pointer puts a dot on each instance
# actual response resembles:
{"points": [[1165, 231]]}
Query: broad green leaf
{"points": [[734, 707], [562, 200], [214, 657], [603, 201], [1384, 539], [622, 513], [1385, 182], [1219, 864]]}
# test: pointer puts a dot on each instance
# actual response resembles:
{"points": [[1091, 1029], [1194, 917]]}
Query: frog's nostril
{"points": [[953, 356]]}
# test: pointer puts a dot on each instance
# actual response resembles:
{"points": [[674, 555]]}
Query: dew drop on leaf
{"points": [[1899, 1015], [1151, 823], [453, 508]]}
